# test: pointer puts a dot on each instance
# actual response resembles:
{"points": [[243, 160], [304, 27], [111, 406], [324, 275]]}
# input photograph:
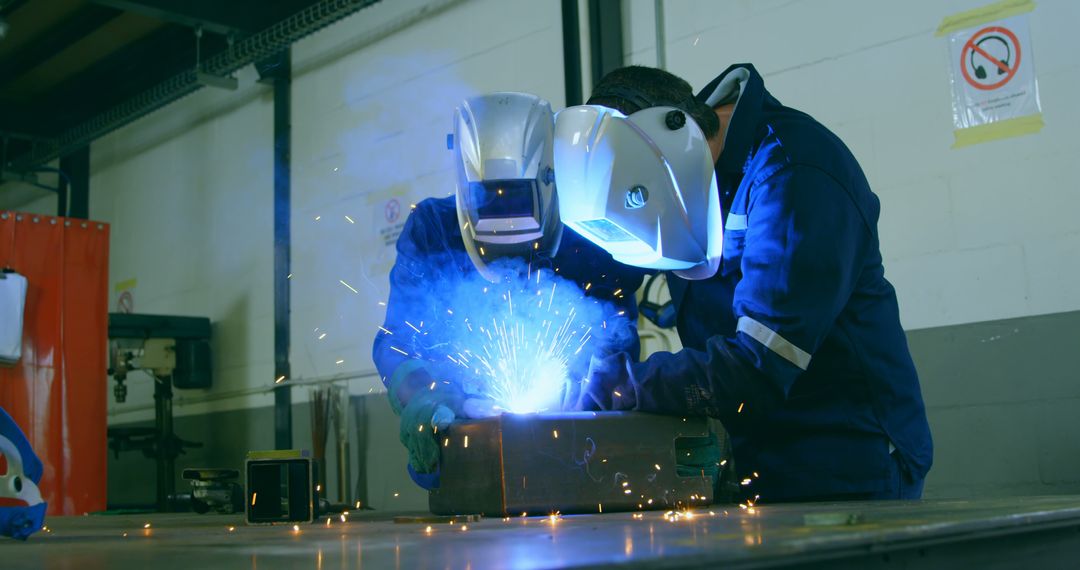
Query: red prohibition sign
{"points": [[1009, 69], [392, 210]]}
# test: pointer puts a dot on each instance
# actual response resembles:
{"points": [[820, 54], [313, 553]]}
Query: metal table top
{"points": [[770, 536]]}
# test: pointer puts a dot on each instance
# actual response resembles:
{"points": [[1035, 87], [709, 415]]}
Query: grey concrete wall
{"points": [[1003, 398]]}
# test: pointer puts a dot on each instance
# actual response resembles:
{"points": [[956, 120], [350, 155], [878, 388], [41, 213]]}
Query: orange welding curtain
{"points": [[57, 390]]}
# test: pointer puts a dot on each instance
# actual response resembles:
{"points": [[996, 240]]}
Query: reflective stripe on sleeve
{"points": [[774, 342], [735, 222]]}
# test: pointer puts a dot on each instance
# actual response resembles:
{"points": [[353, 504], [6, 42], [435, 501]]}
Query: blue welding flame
{"points": [[519, 342]]}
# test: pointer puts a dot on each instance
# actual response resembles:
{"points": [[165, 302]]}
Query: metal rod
{"points": [[166, 461]]}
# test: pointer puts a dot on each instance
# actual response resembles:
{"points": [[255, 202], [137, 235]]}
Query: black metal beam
{"points": [[76, 183], [245, 51], [605, 37], [282, 78], [228, 17], [111, 80], [80, 24], [571, 38]]}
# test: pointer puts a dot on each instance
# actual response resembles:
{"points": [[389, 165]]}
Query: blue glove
{"points": [[427, 406], [607, 387], [24, 472], [610, 387], [421, 419], [698, 456]]}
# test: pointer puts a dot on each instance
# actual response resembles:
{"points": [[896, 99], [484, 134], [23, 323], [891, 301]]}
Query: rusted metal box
{"points": [[580, 462]]}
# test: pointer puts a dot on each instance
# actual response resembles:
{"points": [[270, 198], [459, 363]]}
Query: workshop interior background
{"points": [[981, 242]]}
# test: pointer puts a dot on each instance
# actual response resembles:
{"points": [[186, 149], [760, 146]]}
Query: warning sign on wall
{"points": [[389, 208], [994, 87]]}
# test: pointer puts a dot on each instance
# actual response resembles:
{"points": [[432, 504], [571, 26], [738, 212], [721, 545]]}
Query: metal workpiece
{"points": [[579, 462]]}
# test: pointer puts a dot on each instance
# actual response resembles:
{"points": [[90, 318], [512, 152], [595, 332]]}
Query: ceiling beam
{"points": [[44, 47], [217, 16]]}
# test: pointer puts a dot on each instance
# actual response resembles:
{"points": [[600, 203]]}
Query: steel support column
{"points": [[571, 38], [605, 37], [282, 78], [74, 189]]}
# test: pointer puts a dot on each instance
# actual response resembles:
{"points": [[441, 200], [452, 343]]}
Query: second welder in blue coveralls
{"points": [[794, 341]]}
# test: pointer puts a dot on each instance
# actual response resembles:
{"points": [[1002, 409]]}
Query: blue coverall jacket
{"points": [[431, 254], [796, 345]]}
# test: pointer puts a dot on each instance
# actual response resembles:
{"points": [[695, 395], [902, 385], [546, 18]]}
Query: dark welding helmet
{"points": [[506, 200]]}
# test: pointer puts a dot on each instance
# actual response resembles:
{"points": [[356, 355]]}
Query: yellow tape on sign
{"points": [[125, 285], [1000, 130], [978, 16]]}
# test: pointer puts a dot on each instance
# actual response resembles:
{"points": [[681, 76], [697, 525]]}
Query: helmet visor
{"points": [[504, 198]]}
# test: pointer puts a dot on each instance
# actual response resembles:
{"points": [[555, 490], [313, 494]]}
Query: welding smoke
{"points": [[517, 342]]}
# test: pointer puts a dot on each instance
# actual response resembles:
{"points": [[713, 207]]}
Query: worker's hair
{"points": [[631, 89]]}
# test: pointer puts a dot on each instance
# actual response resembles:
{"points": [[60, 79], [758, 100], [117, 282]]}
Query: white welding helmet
{"points": [[641, 187], [506, 200]]}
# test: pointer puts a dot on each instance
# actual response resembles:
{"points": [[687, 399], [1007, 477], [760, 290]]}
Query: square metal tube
{"points": [[581, 462]]}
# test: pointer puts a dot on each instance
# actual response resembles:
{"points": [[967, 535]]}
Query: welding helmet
{"points": [[641, 187], [506, 200]]}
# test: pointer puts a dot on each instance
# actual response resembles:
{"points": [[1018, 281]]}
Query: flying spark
{"points": [[349, 287], [520, 354]]}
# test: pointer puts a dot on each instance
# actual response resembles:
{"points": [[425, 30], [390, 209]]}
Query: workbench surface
{"points": [[1042, 532]]}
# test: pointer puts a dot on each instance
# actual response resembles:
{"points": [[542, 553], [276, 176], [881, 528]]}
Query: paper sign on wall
{"points": [[992, 72], [125, 296], [389, 209]]}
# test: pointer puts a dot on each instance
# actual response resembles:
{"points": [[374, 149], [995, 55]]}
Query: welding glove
{"points": [[610, 386], [422, 417], [607, 387], [427, 406], [698, 456]]}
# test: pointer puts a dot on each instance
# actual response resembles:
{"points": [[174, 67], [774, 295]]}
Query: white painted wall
{"points": [[371, 127], [972, 234], [188, 194]]}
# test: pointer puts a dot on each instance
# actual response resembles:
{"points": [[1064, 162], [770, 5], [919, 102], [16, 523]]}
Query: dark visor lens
{"points": [[503, 198]]}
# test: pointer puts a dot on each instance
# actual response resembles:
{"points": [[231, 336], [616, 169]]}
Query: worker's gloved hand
{"points": [[698, 456], [477, 408], [427, 406], [608, 386], [422, 417]]}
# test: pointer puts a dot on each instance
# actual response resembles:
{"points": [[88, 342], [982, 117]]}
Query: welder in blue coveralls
{"points": [[792, 334], [505, 207]]}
